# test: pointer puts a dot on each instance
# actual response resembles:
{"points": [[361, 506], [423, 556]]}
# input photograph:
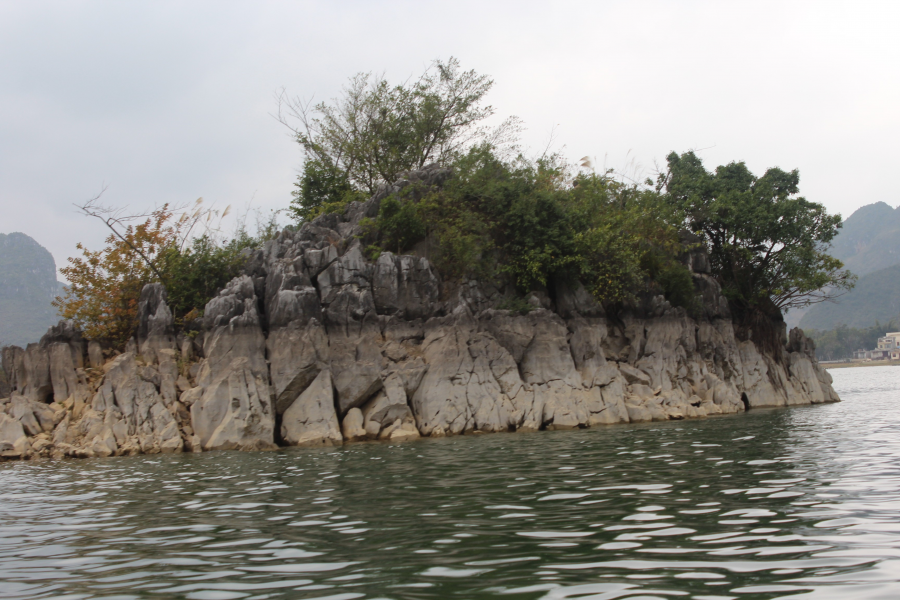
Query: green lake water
{"points": [[801, 502]]}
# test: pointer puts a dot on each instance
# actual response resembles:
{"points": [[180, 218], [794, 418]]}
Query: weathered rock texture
{"points": [[316, 345]]}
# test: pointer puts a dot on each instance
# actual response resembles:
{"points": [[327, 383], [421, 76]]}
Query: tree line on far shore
{"points": [[841, 342]]}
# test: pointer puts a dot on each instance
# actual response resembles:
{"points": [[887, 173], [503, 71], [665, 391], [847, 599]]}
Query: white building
{"points": [[888, 348], [890, 341]]}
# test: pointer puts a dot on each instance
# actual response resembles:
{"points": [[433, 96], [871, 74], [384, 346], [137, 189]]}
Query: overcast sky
{"points": [[170, 101]]}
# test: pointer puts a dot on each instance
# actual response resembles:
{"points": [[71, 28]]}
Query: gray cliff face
{"points": [[316, 346]]}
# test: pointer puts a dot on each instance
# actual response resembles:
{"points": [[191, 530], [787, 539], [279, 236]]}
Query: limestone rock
{"points": [[311, 419], [296, 355], [95, 355], [13, 441], [460, 392], [315, 337], [235, 411], [13, 363], [37, 383], [352, 427], [349, 269], [155, 323], [386, 408], [573, 301], [290, 295], [404, 285], [234, 331]]}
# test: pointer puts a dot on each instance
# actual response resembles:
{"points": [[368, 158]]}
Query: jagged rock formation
{"points": [[316, 345]]}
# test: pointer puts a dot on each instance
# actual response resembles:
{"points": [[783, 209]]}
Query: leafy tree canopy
{"points": [[768, 246], [374, 131], [526, 221]]}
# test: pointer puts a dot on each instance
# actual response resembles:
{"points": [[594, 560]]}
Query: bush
{"points": [[195, 274], [399, 224], [524, 222], [105, 285], [321, 189]]}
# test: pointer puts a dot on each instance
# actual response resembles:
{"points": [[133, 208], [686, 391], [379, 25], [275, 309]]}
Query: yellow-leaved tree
{"points": [[180, 247], [105, 285]]}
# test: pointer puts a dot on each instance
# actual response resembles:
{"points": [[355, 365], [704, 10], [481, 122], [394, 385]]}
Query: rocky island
{"points": [[318, 343]]}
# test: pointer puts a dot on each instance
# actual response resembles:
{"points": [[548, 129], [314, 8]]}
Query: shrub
{"points": [[399, 224]]}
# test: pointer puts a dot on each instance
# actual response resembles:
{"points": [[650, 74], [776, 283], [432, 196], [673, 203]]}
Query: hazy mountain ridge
{"points": [[870, 239], [876, 297], [28, 285], [869, 245]]}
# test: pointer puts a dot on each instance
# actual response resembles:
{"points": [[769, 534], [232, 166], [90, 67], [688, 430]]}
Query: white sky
{"points": [[169, 101]]}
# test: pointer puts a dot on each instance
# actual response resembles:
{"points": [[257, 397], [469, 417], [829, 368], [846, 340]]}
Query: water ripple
{"points": [[800, 503]]}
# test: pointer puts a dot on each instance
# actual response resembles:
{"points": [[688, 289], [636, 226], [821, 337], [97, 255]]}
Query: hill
{"points": [[27, 287], [869, 239], [876, 297]]}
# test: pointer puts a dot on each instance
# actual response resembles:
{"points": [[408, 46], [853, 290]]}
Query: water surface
{"points": [[801, 503]]}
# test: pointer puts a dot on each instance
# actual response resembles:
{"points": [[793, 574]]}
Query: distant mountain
{"points": [[27, 287], [868, 242], [876, 297], [870, 239]]}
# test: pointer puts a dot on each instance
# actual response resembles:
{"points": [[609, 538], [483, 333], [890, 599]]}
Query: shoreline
{"points": [[37, 457], [851, 365]]}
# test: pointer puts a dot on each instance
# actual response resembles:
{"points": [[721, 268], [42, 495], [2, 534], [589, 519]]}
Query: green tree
{"points": [[374, 131], [321, 188], [195, 274], [768, 246], [399, 224]]}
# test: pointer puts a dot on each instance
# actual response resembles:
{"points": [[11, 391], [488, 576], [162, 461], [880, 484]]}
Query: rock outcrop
{"points": [[316, 345]]}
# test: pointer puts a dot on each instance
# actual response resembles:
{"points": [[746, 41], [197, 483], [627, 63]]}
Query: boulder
{"points": [[352, 427], [311, 419], [296, 354], [235, 411], [13, 442], [388, 406]]}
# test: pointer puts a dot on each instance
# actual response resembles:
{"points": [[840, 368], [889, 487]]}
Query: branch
{"points": [[112, 217]]}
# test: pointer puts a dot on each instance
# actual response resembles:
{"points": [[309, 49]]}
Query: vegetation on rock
{"points": [[539, 221], [105, 285], [375, 131], [768, 246], [530, 223]]}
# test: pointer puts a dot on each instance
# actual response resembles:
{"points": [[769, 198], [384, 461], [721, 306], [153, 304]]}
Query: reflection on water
{"points": [[802, 502]]}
